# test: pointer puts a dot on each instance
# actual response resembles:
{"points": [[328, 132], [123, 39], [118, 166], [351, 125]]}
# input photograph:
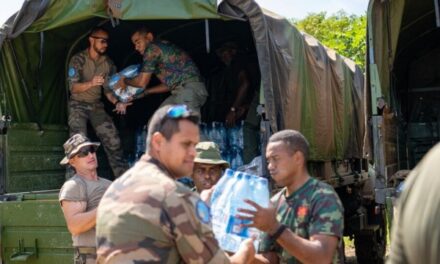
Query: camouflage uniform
{"points": [[87, 106], [147, 217], [176, 69], [313, 209]]}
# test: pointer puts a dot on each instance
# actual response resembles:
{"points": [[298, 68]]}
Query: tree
{"points": [[346, 34]]}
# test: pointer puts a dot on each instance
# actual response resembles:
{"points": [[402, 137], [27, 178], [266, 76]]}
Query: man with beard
{"points": [[87, 74]]}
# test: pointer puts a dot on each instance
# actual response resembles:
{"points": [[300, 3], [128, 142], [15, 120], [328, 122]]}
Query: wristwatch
{"points": [[233, 109], [278, 232]]}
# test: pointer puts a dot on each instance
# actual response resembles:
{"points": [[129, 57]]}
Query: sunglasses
{"points": [[178, 111], [84, 152], [101, 39]]}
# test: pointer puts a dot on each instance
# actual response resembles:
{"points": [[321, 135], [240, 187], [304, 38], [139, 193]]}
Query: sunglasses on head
{"points": [[84, 152], [178, 111], [101, 39]]}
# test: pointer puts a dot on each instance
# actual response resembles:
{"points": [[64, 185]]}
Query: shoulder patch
{"points": [[71, 72], [203, 212]]}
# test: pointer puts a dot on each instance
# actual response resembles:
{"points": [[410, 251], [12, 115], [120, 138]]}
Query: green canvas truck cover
{"points": [[306, 86]]}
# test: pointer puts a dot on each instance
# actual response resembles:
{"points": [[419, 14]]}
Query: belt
{"points": [[86, 250], [193, 79], [87, 103]]}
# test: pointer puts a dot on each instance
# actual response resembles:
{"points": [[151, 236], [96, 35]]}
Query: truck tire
{"points": [[370, 247]]}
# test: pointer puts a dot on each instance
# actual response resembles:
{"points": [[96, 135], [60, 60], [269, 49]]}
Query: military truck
{"points": [[404, 79], [403, 57], [303, 86]]}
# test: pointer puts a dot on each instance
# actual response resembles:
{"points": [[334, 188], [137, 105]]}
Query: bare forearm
{"points": [[81, 87], [142, 80], [242, 90], [161, 88], [111, 98], [82, 222], [306, 251]]}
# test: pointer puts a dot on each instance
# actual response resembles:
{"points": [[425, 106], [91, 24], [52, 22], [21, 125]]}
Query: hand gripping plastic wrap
{"points": [[130, 92], [228, 196]]}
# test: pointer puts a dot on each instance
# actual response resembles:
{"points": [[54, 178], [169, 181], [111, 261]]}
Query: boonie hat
{"points": [[209, 153], [74, 144]]}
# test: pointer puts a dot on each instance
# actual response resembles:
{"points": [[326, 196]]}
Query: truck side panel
{"points": [[33, 230], [31, 158]]}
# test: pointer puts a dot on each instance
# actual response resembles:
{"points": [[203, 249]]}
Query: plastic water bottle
{"points": [[221, 184], [140, 142], [229, 229], [204, 132], [217, 133], [260, 195], [235, 136], [220, 202], [131, 91], [241, 193], [130, 71], [113, 80], [236, 157]]}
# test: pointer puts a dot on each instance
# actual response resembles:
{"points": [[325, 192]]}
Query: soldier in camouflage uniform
{"points": [[305, 223], [88, 71], [174, 68], [147, 217], [208, 166]]}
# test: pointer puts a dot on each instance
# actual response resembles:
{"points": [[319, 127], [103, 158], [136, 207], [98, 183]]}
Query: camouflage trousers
{"points": [[80, 113], [84, 257], [193, 94]]}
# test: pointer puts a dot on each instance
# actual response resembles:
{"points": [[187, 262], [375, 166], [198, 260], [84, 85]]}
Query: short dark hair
{"points": [[294, 141], [142, 30], [167, 126], [96, 30]]}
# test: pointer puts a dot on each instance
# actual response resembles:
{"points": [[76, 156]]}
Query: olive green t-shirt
{"points": [[82, 69], [80, 189]]}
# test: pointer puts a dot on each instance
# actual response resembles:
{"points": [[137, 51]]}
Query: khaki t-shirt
{"points": [[80, 189], [82, 69]]}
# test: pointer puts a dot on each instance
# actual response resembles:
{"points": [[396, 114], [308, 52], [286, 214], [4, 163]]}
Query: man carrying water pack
{"points": [[305, 222], [174, 68]]}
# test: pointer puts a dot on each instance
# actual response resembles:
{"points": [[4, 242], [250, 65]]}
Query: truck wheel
{"points": [[370, 246]]}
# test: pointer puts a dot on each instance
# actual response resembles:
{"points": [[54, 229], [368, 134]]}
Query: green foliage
{"points": [[346, 34]]}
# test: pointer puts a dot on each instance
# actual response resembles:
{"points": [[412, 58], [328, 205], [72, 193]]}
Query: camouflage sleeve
{"points": [[74, 72], [327, 216], [112, 70], [151, 58], [397, 251], [194, 238]]}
